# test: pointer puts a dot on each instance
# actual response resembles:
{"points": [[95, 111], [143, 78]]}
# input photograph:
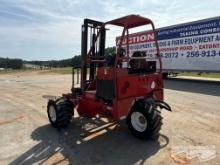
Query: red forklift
{"points": [[126, 87]]}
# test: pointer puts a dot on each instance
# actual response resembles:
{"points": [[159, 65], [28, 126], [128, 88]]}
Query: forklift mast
{"points": [[90, 30]]}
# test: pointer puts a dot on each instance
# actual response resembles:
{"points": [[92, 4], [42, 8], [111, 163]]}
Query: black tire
{"points": [[64, 111], [152, 117]]}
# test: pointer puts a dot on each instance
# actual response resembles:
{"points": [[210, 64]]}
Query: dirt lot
{"points": [[27, 137]]}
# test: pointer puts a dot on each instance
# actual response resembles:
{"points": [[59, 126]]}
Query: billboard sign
{"points": [[192, 46]]}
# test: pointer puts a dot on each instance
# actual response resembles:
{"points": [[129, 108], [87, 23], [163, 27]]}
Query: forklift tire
{"points": [[60, 112], [144, 122]]}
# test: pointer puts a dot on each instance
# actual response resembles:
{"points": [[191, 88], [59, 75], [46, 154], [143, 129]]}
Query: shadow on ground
{"points": [[98, 142], [195, 86]]}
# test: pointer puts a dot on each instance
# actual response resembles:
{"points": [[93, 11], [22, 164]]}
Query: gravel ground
{"points": [[27, 137]]}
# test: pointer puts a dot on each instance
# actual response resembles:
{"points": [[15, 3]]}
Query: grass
{"points": [[13, 71], [68, 70], [64, 70], [208, 75]]}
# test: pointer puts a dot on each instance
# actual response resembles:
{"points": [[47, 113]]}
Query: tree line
{"points": [[71, 62], [11, 63], [75, 61]]}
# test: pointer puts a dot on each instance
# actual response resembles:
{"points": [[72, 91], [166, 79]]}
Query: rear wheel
{"points": [[143, 121], [60, 112]]}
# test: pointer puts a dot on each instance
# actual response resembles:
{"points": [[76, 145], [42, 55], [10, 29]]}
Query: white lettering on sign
{"points": [[136, 38], [192, 46]]}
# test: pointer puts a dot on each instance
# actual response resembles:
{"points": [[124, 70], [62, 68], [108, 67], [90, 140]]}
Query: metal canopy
{"points": [[130, 21]]}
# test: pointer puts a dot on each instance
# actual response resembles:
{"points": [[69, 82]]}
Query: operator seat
{"points": [[141, 65]]}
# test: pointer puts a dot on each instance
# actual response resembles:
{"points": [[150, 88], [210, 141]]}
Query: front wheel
{"points": [[143, 121], [60, 112]]}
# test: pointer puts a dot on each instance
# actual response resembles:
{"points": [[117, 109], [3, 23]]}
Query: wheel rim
{"points": [[138, 121], [52, 113]]}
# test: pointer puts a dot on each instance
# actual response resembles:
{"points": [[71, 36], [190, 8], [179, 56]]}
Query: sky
{"points": [[51, 29]]}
